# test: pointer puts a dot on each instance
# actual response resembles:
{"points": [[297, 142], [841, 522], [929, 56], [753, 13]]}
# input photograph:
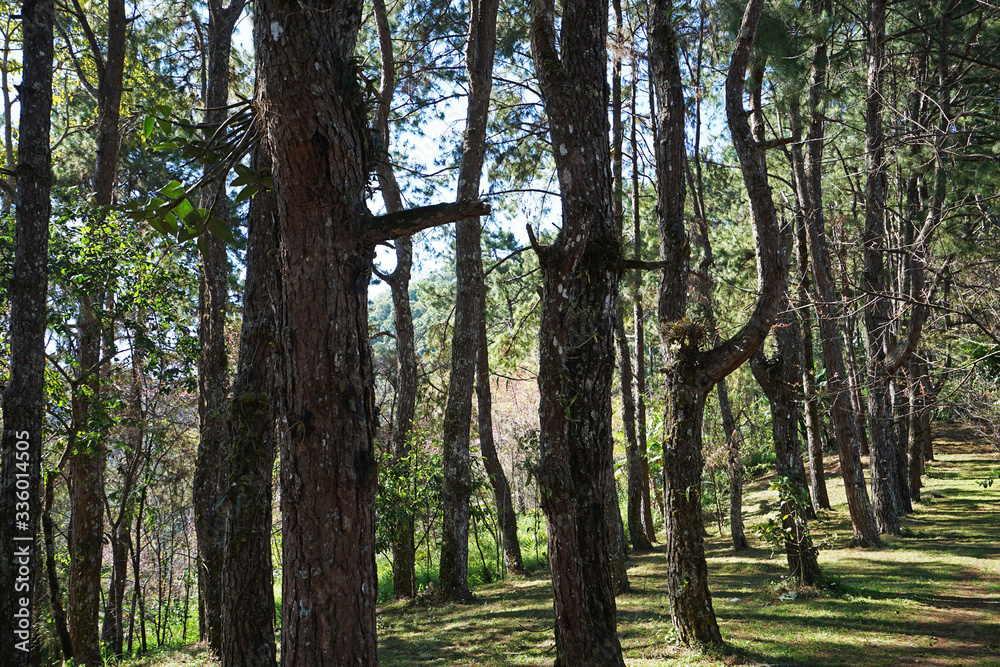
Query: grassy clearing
{"points": [[929, 598]]}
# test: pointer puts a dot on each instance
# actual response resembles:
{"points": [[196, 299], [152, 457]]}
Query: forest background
{"points": [[852, 205]]}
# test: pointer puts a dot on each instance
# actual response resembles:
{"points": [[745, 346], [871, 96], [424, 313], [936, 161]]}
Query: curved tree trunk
{"points": [[780, 379], [690, 371]]}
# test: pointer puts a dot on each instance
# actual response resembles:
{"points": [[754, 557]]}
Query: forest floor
{"points": [[930, 597]]}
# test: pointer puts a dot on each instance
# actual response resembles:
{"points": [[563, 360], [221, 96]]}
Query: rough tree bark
{"points": [[86, 463], [576, 353], [809, 184], [23, 398], [113, 630], [810, 399], [404, 558], [886, 355], [314, 124], [506, 517], [213, 364], [639, 329], [470, 300], [884, 472], [842, 414], [690, 371], [247, 604], [704, 286], [637, 476], [734, 438], [781, 378]]}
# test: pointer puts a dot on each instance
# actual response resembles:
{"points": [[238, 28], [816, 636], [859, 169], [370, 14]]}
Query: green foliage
{"points": [[792, 498], [993, 476], [409, 486], [219, 149]]}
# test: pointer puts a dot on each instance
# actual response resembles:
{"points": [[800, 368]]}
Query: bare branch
{"points": [[412, 220]]}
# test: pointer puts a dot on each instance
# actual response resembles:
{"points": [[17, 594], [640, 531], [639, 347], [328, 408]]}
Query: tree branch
{"points": [[412, 220]]}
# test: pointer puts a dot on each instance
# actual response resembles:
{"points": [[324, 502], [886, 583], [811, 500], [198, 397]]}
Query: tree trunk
{"points": [[314, 133], [314, 126], [780, 379], [734, 438], [55, 593], [884, 482], [404, 556], [810, 402], [86, 464], [213, 366], [23, 399], [691, 610], [404, 553], [636, 530], [634, 509], [639, 329], [916, 426], [247, 631], [113, 631], [809, 184], [691, 372], [886, 355], [8, 126], [506, 517], [470, 302], [576, 353], [842, 415]]}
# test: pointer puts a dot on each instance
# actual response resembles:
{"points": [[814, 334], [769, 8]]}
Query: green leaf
{"points": [[189, 232], [183, 209], [246, 193], [196, 217], [157, 224], [221, 230], [170, 222], [165, 146], [173, 190], [244, 171], [148, 124], [203, 247]]}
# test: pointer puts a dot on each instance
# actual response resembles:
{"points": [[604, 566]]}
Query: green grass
{"points": [[930, 598]]}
